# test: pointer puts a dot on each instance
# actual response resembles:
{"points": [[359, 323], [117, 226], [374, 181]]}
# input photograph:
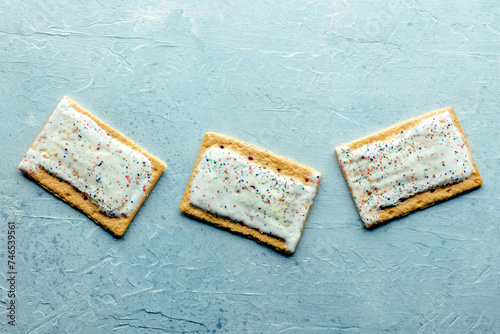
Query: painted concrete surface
{"points": [[297, 78]]}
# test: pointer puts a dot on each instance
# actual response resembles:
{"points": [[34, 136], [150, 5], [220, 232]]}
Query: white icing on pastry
{"points": [[383, 174], [229, 185], [75, 149]]}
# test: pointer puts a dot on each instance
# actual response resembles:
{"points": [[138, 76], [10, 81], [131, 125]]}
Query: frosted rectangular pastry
{"points": [[409, 166], [250, 191], [88, 164]]}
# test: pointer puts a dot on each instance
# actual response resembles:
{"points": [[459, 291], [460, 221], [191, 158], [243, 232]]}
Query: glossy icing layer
{"points": [[229, 185], [385, 173], [75, 149]]}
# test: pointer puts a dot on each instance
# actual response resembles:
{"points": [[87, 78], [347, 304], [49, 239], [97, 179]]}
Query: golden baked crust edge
{"points": [[427, 198], [261, 157], [66, 192]]}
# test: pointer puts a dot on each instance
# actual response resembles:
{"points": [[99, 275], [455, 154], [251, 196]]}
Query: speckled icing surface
{"points": [[75, 149], [383, 174], [231, 186]]}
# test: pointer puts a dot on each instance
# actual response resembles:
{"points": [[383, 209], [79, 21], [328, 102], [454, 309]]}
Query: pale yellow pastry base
{"points": [[72, 196], [427, 198], [261, 157]]}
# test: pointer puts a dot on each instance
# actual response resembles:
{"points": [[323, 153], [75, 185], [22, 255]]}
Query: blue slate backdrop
{"points": [[297, 78]]}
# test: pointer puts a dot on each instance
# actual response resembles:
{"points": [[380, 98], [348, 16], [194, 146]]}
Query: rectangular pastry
{"points": [[88, 164], [409, 166], [250, 191]]}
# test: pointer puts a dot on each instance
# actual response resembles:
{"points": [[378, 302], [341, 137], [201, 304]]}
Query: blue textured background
{"points": [[297, 78]]}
